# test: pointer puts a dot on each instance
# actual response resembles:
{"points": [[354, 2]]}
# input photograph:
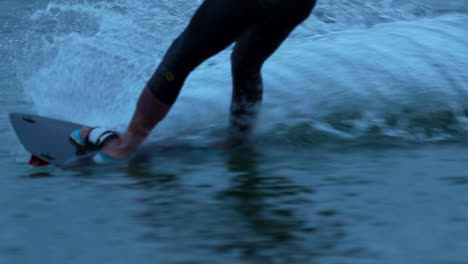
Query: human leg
{"points": [[249, 55], [215, 25]]}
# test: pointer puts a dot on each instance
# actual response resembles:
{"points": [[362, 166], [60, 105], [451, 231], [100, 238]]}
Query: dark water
{"points": [[245, 206], [363, 162]]}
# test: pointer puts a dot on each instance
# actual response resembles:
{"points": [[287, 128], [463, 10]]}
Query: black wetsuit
{"points": [[257, 26]]}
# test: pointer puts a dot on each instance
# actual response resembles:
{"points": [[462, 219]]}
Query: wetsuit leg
{"points": [[250, 53], [215, 25]]}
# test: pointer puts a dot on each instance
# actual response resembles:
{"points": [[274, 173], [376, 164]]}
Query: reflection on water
{"points": [[251, 205], [253, 216]]}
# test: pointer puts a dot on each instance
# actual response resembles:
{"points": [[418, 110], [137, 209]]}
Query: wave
{"points": [[353, 70]]}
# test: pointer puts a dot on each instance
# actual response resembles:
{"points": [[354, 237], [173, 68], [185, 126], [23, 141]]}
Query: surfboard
{"points": [[48, 141]]}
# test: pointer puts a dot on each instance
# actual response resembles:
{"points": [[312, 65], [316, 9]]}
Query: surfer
{"points": [[257, 27]]}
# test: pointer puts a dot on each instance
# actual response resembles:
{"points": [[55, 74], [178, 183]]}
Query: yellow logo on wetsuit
{"points": [[170, 76]]}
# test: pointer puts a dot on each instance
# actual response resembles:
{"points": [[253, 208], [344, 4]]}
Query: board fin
{"points": [[37, 162]]}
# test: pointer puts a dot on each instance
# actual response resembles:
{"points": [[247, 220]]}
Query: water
{"points": [[358, 157]]}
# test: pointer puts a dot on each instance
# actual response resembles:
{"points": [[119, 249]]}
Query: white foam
{"points": [[92, 59]]}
